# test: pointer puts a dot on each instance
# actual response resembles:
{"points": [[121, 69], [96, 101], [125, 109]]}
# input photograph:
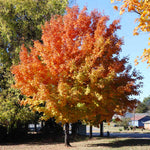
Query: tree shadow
{"points": [[121, 143], [38, 139], [32, 140]]}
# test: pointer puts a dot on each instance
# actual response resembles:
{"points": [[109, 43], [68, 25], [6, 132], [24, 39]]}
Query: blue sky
{"points": [[133, 45]]}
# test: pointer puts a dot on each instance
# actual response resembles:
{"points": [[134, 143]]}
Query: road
{"points": [[127, 135], [96, 132]]}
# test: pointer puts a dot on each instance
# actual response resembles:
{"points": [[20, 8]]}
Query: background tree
{"points": [[76, 73], [124, 122], [20, 25], [141, 108], [142, 8], [12, 114], [144, 106], [20, 22], [146, 101]]}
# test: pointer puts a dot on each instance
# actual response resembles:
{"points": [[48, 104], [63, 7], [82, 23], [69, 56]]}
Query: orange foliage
{"points": [[76, 74], [142, 8]]}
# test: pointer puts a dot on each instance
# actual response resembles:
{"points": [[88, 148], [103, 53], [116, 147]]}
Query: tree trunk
{"points": [[35, 128], [42, 123], [67, 135], [101, 130], [90, 135]]}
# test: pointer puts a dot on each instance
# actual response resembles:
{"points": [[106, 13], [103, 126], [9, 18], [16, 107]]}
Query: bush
{"points": [[124, 123], [120, 130]]}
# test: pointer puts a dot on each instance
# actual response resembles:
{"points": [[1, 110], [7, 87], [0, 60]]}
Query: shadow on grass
{"points": [[119, 142], [41, 140], [32, 139]]}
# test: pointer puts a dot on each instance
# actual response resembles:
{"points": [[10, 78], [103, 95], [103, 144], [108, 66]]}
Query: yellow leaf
{"points": [[112, 1], [122, 11]]}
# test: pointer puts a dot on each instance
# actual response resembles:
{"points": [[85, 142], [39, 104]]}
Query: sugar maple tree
{"points": [[142, 8], [75, 73]]}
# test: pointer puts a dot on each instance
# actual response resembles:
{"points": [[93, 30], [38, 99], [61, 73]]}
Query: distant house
{"points": [[138, 120], [147, 125], [130, 115]]}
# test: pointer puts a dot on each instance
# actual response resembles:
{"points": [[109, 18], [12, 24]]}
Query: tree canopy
{"points": [[75, 73], [20, 22]]}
